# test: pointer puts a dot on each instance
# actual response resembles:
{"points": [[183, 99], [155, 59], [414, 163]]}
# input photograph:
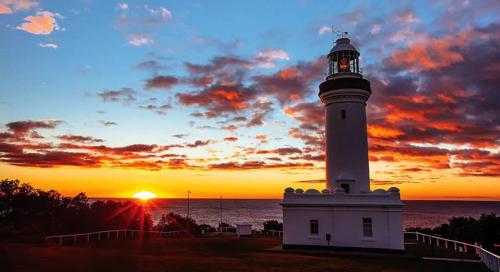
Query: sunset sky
{"points": [[220, 97]]}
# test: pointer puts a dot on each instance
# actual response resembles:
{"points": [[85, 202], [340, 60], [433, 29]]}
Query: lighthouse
{"points": [[344, 94], [347, 214]]}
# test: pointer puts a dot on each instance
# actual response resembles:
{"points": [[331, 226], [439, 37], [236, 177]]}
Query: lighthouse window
{"points": [[343, 114], [313, 226], [345, 186], [367, 227]]}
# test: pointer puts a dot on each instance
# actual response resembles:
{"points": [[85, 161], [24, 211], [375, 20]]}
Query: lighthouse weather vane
{"points": [[338, 34]]}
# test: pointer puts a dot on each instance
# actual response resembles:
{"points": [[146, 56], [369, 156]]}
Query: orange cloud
{"points": [[434, 55], [5, 9], [41, 24], [379, 131], [231, 139], [288, 73], [9, 6], [430, 54], [229, 95]]}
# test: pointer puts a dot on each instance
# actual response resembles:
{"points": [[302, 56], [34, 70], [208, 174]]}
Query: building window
{"points": [[345, 186], [313, 225], [343, 114], [367, 227]]}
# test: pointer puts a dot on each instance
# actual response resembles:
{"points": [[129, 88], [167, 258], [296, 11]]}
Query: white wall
{"points": [[347, 146], [345, 226]]}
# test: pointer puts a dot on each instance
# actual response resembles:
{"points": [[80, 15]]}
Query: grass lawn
{"points": [[200, 254]]}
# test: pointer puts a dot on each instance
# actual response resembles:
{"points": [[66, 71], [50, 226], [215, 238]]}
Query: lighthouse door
{"points": [[346, 184]]}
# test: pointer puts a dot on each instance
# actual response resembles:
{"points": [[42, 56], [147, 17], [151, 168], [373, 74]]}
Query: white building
{"points": [[347, 214]]}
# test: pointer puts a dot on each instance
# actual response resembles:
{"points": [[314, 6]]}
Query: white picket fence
{"points": [[278, 233], [107, 234], [491, 260]]}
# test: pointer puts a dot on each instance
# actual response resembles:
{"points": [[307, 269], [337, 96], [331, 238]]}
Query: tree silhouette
{"points": [[33, 213]]}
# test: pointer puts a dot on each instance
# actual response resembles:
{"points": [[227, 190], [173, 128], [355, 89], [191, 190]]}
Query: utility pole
{"points": [[187, 217], [220, 208]]}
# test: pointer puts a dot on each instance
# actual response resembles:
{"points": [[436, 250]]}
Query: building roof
{"points": [[343, 44]]}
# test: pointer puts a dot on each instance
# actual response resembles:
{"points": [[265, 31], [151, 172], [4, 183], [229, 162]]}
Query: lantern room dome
{"points": [[343, 44]]}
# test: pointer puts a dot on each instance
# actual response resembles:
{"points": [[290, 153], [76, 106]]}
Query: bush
{"points": [[273, 225], [176, 222], [207, 228], [485, 230], [227, 227]]}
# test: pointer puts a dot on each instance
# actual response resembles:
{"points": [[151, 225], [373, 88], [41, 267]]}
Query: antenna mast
{"points": [[339, 34], [220, 208]]}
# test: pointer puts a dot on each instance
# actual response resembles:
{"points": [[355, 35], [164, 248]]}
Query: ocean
{"points": [[416, 213]]}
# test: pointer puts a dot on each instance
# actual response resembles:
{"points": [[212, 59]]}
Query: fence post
{"points": [[108, 234], [60, 240], [465, 248], [99, 236], [88, 238]]}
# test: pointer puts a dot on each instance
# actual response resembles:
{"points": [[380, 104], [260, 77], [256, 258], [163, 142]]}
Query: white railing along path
{"points": [[107, 234], [490, 259]]}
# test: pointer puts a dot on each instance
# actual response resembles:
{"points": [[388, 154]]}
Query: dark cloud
{"points": [[22, 128], [36, 135], [200, 82], [231, 90], [79, 139], [220, 66], [219, 99], [293, 83], [311, 116], [124, 95], [51, 159], [261, 110], [256, 165], [180, 136], [108, 123], [284, 151], [161, 82], [227, 47], [161, 109], [150, 65], [199, 143], [310, 157]]}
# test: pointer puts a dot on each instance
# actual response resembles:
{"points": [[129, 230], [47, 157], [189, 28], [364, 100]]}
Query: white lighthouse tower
{"points": [[346, 214], [344, 94]]}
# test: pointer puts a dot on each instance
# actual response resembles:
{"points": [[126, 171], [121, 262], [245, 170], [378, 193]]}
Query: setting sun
{"points": [[144, 195]]}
